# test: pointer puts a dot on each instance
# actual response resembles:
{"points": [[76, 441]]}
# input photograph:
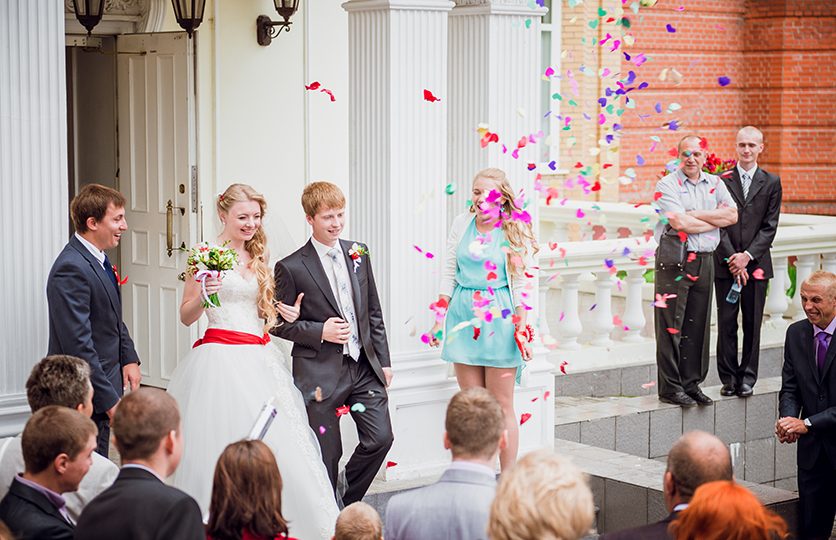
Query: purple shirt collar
{"points": [[831, 328], [54, 498]]}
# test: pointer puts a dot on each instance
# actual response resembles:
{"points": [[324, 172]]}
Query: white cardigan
{"points": [[448, 272]]}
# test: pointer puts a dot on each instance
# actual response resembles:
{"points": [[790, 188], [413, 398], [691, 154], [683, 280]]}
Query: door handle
{"points": [[169, 226], [182, 276]]}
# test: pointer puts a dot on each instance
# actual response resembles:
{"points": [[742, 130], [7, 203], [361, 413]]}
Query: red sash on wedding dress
{"points": [[231, 337]]}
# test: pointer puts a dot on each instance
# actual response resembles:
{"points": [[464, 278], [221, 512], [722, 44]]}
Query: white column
{"points": [[803, 268], [828, 262], [33, 175], [570, 326], [542, 323], [776, 301], [602, 322], [634, 319]]}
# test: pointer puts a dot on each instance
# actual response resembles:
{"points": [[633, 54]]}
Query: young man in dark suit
{"points": [[744, 248], [57, 445], [139, 505], [85, 303], [340, 352], [807, 403]]}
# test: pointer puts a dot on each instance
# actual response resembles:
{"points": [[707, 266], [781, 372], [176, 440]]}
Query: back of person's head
{"points": [[725, 510], [542, 497], [59, 380], [246, 493], [696, 458], [358, 521], [319, 196], [142, 419], [52, 431], [92, 202], [475, 423]]}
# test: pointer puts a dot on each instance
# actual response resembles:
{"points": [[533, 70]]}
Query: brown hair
{"points": [[519, 234], [321, 195], [542, 497], [58, 380], [725, 510], [358, 521], [246, 493], [696, 458], [52, 431], [255, 246], [92, 202], [142, 419], [474, 423]]}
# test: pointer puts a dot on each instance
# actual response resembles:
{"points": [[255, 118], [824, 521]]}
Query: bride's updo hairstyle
{"points": [[255, 247]]}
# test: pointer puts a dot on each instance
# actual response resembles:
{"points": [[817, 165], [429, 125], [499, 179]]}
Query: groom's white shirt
{"points": [[96, 252], [328, 265]]}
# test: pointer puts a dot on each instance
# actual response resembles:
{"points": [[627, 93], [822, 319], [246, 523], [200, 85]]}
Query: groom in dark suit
{"points": [[85, 303], [743, 256], [340, 353]]}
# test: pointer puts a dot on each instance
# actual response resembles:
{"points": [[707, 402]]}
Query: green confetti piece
{"points": [[451, 188], [557, 96], [532, 4], [609, 108], [655, 138], [601, 12], [358, 407], [635, 7], [528, 23], [619, 112], [645, 219], [593, 24], [572, 103], [573, 3]]}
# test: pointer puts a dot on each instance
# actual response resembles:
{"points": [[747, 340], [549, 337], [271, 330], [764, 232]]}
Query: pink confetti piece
{"points": [[651, 384], [322, 430], [525, 418]]}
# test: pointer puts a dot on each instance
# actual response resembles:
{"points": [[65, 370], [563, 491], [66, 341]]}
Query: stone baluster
{"points": [[634, 319], [602, 320], [804, 266], [542, 322], [828, 262], [570, 324], [776, 301]]}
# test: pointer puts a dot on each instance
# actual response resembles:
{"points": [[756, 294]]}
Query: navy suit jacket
{"points": [[85, 320], [757, 221], [317, 362], [30, 515], [806, 393], [652, 531]]}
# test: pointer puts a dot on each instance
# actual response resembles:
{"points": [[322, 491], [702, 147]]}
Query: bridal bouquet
{"points": [[205, 261]]}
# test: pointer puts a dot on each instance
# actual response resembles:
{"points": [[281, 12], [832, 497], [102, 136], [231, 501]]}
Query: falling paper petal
{"points": [[358, 407], [673, 331], [758, 273], [724, 81], [671, 29], [428, 96], [390, 464], [524, 418], [651, 384], [322, 430]]}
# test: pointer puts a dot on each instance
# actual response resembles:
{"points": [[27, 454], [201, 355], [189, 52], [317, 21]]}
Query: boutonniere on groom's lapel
{"points": [[116, 273], [356, 252]]}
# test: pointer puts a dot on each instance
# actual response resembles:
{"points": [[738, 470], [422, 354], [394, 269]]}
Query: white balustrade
{"points": [[804, 266], [634, 319], [602, 322], [828, 262], [569, 325], [776, 300], [542, 320]]}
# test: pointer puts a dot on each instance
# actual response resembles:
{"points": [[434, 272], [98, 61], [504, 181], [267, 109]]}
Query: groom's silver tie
{"points": [[345, 303]]}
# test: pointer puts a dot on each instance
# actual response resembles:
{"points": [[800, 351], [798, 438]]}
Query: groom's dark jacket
{"points": [[85, 320], [317, 362]]}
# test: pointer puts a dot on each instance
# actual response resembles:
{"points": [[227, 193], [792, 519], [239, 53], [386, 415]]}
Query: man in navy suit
{"points": [[85, 303], [807, 403], [743, 250]]}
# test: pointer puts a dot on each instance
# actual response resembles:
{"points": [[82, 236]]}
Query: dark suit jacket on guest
{"points": [[317, 362], [138, 506], [652, 531], [85, 320], [30, 515], [756, 224], [806, 393], [455, 507]]}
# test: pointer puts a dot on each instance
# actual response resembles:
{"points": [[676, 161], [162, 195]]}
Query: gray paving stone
{"points": [[738, 457], [606, 383], [786, 465], [770, 362], [568, 432], [633, 378], [577, 384], [598, 487], [760, 461], [654, 374], [599, 433], [558, 385], [626, 506], [698, 418], [761, 415], [730, 420], [656, 509], [665, 429], [632, 434]]}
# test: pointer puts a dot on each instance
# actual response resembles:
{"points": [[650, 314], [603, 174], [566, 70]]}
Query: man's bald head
{"points": [[697, 458]]}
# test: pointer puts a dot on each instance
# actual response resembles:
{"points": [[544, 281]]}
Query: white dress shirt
{"points": [[97, 253], [328, 265], [751, 173]]}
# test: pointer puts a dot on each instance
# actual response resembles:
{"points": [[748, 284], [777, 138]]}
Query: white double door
{"points": [[157, 142]]}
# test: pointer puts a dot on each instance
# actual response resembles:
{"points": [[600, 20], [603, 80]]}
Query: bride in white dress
{"points": [[223, 382]]}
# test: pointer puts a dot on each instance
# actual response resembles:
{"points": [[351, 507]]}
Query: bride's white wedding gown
{"points": [[220, 390]]}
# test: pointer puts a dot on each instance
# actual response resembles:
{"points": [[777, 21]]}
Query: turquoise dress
{"points": [[483, 299]]}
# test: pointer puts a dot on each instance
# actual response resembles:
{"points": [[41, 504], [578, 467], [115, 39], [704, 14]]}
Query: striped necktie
{"points": [[747, 183], [345, 303]]}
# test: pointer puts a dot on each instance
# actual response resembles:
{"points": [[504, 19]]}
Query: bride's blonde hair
{"points": [[255, 246]]}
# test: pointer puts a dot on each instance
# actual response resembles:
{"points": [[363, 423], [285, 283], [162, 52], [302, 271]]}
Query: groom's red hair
{"points": [[321, 196]]}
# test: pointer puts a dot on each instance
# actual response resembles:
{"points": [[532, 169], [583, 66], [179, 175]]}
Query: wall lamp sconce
{"points": [[88, 13], [189, 13], [267, 30]]}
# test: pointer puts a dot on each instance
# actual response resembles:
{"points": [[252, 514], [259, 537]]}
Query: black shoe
{"points": [[678, 398], [728, 390], [744, 390], [700, 398]]}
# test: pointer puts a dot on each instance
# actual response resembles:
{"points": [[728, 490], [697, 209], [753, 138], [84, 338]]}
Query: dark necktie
{"points": [[108, 268], [821, 349], [745, 182]]}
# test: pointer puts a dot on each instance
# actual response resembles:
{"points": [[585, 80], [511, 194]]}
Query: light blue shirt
{"points": [[680, 194]]}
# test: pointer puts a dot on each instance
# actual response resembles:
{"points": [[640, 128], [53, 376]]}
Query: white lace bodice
{"points": [[239, 305]]}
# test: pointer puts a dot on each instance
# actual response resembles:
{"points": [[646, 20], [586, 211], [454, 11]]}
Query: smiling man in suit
{"points": [[340, 352], [85, 303], [743, 257]]}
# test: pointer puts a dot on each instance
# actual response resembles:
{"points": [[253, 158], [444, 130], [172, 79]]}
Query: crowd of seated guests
{"points": [[62, 491]]}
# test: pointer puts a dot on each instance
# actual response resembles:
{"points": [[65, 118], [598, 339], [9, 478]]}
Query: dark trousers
{"points": [[817, 497], [751, 303], [358, 384], [103, 439], [682, 328]]}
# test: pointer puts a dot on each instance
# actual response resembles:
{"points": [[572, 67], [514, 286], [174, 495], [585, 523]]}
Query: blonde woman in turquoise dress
{"points": [[485, 287]]}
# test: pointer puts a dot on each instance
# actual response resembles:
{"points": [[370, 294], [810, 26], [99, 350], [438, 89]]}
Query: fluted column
{"points": [[803, 268], [634, 319], [776, 301]]}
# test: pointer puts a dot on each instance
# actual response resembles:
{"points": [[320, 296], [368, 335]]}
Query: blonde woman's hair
{"points": [[519, 234], [542, 497], [255, 246]]}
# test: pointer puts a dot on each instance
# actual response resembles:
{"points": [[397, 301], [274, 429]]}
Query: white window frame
{"points": [[553, 28]]}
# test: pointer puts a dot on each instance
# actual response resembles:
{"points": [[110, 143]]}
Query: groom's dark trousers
{"points": [[343, 382], [85, 320]]}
